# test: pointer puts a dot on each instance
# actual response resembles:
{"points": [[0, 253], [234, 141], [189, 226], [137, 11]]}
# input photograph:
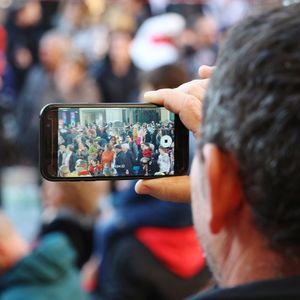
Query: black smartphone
{"points": [[111, 141]]}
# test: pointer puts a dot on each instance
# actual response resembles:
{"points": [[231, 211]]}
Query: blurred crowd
{"points": [[97, 51], [90, 51]]}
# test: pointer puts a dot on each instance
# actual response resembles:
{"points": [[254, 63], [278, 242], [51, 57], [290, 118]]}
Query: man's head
{"points": [[53, 49], [249, 157], [118, 148], [70, 148], [125, 147], [81, 166]]}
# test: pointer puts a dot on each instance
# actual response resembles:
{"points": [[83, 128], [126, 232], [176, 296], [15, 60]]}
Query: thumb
{"points": [[175, 189]]}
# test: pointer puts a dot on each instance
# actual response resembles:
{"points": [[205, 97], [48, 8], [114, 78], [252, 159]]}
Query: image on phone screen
{"points": [[110, 142]]}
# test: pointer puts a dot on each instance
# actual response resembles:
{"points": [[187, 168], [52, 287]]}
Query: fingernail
{"points": [[140, 188], [150, 94]]}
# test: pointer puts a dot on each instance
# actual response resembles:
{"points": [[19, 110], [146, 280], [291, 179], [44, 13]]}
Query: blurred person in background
{"points": [[139, 10], [7, 105], [73, 81], [24, 32], [45, 272], [227, 13], [40, 89], [148, 249], [116, 74], [199, 43], [70, 158], [82, 21], [71, 208]]}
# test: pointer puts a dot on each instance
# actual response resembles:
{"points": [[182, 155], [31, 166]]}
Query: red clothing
{"points": [[83, 173], [177, 248], [147, 152], [107, 157]]}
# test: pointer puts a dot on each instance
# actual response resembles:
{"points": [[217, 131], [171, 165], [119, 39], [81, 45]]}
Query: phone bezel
{"points": [[49, 144]]}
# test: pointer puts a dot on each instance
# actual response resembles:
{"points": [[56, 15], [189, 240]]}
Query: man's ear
{"points": [[225, 190]]}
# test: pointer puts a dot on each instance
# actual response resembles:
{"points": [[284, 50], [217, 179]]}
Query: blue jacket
{"points": [[47, 273]]}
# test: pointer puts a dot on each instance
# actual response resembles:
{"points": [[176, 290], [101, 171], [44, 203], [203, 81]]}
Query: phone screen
{"points": [[115, 142]]}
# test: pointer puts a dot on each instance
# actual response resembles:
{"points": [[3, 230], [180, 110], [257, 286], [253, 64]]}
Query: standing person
{"points": [[120, 161], [164, 161], [70, 158], [116, 74], [108, 156], [129, 161], [245, 179], [61, 155], [25, 30], [73, 81], [39, 89], [146, 159], [71, 208], [148, 249], [132, 147]]}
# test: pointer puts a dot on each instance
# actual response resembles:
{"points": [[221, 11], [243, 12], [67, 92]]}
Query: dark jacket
{"points": [[277, 289], [135, 264], [116, 88], [46, 274], [120, 163], [129, 161]]}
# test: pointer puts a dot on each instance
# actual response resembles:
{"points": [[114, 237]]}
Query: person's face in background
{"points": [[206, 30], [75, 13], [69, 75], [119, 48], [62, 148], [30, 14], [52, 51]]}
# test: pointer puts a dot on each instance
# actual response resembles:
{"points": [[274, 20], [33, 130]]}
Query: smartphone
{"points": [[111, 141]]}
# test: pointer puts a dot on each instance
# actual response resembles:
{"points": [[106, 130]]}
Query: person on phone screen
{"points": [[120, 161], [244, 182], [163, 161]]}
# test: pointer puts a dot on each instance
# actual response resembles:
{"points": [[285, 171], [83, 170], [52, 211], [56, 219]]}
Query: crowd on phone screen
{"points": [[95, 150]]}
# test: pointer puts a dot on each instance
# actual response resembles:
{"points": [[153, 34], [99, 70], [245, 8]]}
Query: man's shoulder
{"points": [[277, 289]]}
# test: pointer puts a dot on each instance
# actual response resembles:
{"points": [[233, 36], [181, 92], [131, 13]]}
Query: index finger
{"points": [[186, 106]]}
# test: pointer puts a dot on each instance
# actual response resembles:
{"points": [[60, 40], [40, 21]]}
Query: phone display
{"points": [[89, 142]]}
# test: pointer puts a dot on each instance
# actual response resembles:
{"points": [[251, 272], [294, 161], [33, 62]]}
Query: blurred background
{"points": [[93, 51]]}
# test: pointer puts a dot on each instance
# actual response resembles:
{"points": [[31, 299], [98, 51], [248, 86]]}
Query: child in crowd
{"points": [[163, 161], [147, 154]]}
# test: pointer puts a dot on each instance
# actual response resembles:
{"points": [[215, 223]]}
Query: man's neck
{"points": [[250, 258]]}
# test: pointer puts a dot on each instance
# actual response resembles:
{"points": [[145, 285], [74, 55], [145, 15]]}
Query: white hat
{"points": [[153, 44]]}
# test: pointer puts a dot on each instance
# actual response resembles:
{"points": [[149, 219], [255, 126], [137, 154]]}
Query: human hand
{"points": [[186, 101]]}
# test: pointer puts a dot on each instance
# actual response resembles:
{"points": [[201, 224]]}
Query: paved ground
{"points": [[21, 199]]}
